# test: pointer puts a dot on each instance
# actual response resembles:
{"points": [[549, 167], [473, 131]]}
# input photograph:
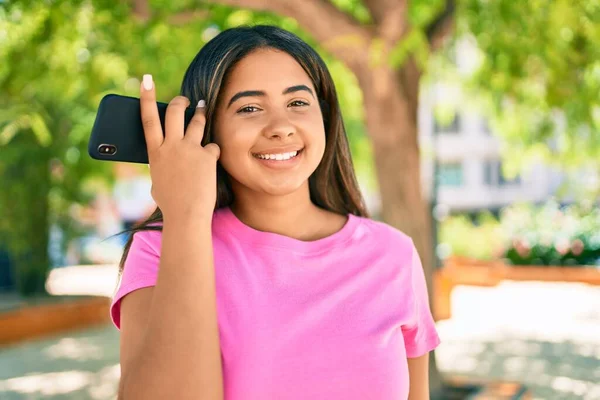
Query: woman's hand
{"points": [[184, 174]]}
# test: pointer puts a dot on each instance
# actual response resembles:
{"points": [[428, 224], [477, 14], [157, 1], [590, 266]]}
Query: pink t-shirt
{"points": [[334, 318]]}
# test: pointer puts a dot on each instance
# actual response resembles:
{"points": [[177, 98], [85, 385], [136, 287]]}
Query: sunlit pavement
{"points": [[81, 365], [546, 335]]}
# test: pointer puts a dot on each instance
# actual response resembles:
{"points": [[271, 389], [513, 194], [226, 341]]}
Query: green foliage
{"points": [[482, 240], [420, 15], [46, 112], [527, 234], [536, 74], [551, 235], [415, 43], [355, 8]]}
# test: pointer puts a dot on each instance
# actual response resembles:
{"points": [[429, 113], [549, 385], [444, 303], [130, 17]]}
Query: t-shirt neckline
{"points": [[228, 220]]}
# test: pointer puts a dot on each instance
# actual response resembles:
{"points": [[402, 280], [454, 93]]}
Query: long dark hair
{"points": [[333, 185]]}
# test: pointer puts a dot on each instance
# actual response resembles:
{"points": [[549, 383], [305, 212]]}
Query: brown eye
{"points": [[248, 110], [298, 103]]}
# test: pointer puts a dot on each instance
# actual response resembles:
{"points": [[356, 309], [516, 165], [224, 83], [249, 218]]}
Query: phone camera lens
{"points": [[107, 149]]}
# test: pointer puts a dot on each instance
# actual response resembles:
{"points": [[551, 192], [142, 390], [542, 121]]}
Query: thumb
{"points": [[214, 149]]}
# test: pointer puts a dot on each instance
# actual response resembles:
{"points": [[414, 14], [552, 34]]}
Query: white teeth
{"points": [[278, 157]]}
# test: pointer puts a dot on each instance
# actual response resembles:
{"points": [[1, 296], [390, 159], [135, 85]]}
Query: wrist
{"points": [[191, 218]]}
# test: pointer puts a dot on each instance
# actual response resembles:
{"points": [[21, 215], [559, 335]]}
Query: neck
{"points": [[293, 215]]}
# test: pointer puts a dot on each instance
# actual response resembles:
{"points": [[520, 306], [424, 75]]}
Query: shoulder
{"points": [[388, 237], [385, 231], [148, 239]]}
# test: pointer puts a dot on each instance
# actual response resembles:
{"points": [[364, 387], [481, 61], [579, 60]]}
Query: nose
{"points": [[279, 127]]}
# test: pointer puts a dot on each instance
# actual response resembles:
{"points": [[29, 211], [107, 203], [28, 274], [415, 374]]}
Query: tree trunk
{"points": [[27, 217], [32, 263], [391, 106]]}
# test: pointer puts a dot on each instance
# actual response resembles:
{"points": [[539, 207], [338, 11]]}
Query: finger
{"points": [[195, 129], [149, 111], [214, 149], [175, 118]]}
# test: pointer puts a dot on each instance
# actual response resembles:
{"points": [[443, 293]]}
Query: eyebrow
{"points": [[259, 93]]}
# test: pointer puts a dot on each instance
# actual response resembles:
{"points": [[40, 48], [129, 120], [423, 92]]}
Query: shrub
{"points": [[526, 234]]}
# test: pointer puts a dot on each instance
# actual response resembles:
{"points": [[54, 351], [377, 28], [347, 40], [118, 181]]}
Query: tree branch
{"points": [[392, 24], [390, 17], [183, 18], [141, 9], [337, 31], [442, 26], [379, 9]]}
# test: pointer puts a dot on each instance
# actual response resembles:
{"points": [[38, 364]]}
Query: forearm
{"points": [[180, 355], [418, 370]]}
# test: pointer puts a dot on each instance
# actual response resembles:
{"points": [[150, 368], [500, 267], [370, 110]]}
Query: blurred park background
{"points": [[474, 127]]}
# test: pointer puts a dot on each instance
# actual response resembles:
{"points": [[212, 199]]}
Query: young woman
{"points": [[260, 277]]}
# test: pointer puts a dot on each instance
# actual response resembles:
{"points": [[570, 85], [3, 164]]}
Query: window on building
{"points": [[451, 174], [502, 180], [485, 128], [493, 176], [489, 176], [452, 128]]}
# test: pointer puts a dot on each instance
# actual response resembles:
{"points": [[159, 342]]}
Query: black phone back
{"points": [[118, 134]]}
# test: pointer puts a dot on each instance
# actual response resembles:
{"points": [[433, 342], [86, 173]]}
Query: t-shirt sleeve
{"points": [[140, 269], [420, 335]]}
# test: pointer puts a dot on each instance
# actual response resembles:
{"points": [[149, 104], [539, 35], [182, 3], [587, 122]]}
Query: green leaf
{"points": [[414, 43], [40, 129]]}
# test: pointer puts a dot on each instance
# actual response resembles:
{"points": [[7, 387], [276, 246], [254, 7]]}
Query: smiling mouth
{"points": [[279, 156]]}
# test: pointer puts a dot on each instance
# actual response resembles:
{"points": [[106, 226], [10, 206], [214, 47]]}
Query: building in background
{"points": [[470, 165], [469, 157]]}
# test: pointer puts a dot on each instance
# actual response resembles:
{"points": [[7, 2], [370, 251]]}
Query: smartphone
{"points": [[118, 135]]}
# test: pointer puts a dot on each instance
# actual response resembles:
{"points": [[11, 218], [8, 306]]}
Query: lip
{"points": [[279, 150], [283, 164]]}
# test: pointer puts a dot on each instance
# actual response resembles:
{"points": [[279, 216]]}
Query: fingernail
{"points": [[201, 104], [147, 82]]}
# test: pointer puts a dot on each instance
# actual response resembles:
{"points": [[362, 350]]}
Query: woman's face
{"points": [[269, 124]]}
